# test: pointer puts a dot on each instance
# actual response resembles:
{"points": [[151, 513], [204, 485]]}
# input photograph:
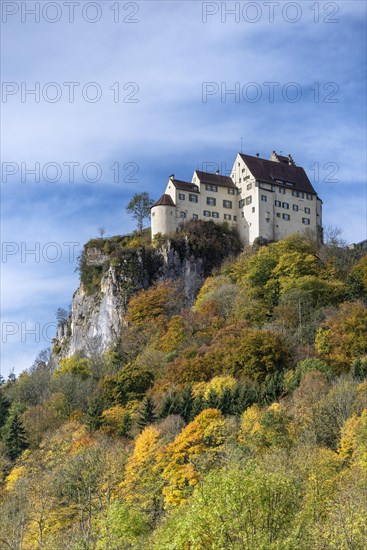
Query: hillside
{"points": [[201, 395]]}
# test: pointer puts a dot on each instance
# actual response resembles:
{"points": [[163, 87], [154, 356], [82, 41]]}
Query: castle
{"points": [[262, 198]]}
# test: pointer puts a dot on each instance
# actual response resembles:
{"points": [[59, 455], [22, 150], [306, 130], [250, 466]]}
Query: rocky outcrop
{"points": [[112, 270], [98, 316]]}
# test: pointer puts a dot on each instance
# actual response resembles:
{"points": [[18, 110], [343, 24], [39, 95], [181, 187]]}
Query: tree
{"points": [[94, 419], [124, 429], [139, 207], [195, 450], [142, 485], [101, 231], [61, 316], [147, 413], [14, 436]]}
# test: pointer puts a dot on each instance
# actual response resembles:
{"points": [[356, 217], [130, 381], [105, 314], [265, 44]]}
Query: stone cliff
{"points": [[112, 272]]}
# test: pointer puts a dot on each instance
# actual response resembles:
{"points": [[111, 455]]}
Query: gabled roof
{"points": [[185, 186], [269, 171], [165, 200], [214, 179]]}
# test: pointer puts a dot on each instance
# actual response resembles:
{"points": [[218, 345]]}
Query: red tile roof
{"points": [[214, 179], [165, 200], [269, 171], [185, 186]]}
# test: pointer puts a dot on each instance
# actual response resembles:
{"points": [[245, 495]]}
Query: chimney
{"points": [[257, 155], [290, 160], [217, 172], [172, 177]]}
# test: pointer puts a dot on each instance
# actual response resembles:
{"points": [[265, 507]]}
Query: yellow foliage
{"points": [[217, 384], [250, 424], [113, 416], [141, 484], [261, 429], [16, 473], [80, 367], [200, 441], [353, 441]]}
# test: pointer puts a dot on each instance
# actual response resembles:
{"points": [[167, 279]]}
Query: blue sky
{"points": [[168, 53]]}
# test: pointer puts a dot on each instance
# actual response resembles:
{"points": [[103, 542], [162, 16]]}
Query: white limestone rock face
{"points": [[98, 317]]}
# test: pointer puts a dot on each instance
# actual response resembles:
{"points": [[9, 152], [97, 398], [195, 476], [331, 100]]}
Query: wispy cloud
{"points": [[169, 54]]}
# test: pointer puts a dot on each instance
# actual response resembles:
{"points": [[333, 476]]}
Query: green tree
{"points": [[139, 207], [124, 429], [14, 436], [147, 413], [186, 404], [94, 418]]}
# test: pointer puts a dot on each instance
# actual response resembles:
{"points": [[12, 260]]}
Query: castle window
{"points": [[278, 214], [153, 214], [309, 196], [282, 190], [235, 218], [294, 193], [239, 191], [209, 187], [227, 217], [241, 203], [307, 210], [285, 205], [295, 207], [195, 217], [193, 198], [182, 214], [300, 194], [239, 179], [273, 187], [306, 221], [227, 204], [206, 213], [242, 214], [181, 196], [249, 186], [253, 209], [215, 215], [211, 201], [249, 200], [231, 191], [278, 203], [286, 217], [264, 198]]}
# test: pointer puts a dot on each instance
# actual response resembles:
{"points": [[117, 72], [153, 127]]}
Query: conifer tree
{"points": [[4, 408], [225, 401], [212, 399], [14, 436], [147, 413], [198, 406], [171, 405], [94, 418], [166, 406], [125, 425], [186, 404]]}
